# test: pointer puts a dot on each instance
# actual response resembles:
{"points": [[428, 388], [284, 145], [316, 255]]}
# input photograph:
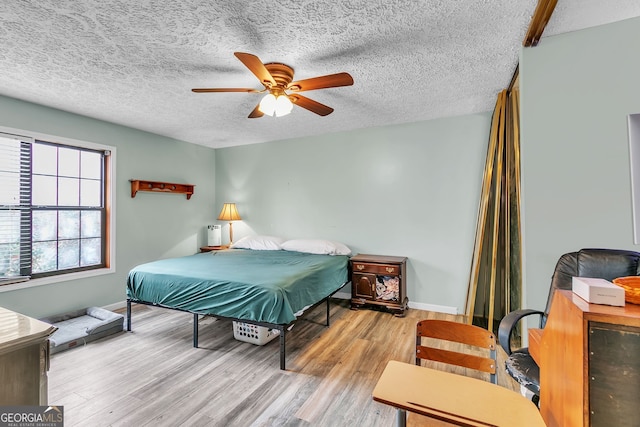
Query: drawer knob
{"points": [[390, 269], [360, 266]]}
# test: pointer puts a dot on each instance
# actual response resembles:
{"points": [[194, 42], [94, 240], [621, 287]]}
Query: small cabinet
{"points": [[24, 359], [380, 281]]}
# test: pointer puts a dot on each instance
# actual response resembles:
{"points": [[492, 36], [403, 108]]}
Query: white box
{"points": [[598, 291]]}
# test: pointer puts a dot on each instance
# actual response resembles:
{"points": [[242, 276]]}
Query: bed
{"points": [[269, 288]]}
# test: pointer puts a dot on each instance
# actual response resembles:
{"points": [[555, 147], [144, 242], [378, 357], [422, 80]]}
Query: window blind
{"points": [[15, 224]]}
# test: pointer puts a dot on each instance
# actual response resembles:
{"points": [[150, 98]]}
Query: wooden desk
{"points": [[589, 364], [535, 337], [452, 398]]}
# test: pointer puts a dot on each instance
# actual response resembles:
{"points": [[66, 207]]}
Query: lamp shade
{"points": [[268, 105], [229, 212], [279, 105], [283, 106]]}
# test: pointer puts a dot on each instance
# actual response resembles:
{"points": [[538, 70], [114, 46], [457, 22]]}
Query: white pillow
{"points": [[323, 247], [259, 243]]}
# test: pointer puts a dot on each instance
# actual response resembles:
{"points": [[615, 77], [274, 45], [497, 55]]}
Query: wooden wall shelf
{"points": [[160, 187]]}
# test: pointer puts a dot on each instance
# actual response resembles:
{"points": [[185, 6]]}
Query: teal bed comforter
{"points": [[261, 286]]}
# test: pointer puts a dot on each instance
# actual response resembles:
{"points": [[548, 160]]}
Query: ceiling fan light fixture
{"points": [[277, 79], [280, 105], [268, 104], [283, 106]]}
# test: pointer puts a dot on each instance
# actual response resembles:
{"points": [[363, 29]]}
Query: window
{"points": [[53, 209]]}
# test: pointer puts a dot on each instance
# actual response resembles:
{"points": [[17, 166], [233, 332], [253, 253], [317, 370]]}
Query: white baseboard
{"points": [[115, 306], [433, 307]]}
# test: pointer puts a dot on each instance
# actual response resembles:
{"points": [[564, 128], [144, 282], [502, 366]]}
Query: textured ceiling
{"points": [[134, 62]]}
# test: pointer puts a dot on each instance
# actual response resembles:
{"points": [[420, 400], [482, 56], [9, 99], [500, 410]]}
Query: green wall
{"points": [[148, 227], [409, 190], [577, 91]]}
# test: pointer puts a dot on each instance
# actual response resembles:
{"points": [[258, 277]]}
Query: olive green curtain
{"points": [[495, 281]]}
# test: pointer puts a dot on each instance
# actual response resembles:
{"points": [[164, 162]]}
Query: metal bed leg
{"points": [[128, 315], [195, 330], [401, 418], [283, 331], [327, 311]]}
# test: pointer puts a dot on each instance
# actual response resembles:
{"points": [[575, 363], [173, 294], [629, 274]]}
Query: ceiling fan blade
{"points": [[322, 82], [256, 113], [311, 105], [256, 66], [230, 89]]}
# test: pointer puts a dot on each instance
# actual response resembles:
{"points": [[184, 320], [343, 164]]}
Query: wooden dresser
{"points": [[24, 359], [589, 358], [380, 281]]}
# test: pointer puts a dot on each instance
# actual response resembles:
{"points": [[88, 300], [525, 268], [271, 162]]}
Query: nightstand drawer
{"points": [[385, 269]]}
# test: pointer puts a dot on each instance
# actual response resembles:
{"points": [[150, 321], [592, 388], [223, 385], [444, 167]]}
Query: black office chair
{"points": [[599, 263]]}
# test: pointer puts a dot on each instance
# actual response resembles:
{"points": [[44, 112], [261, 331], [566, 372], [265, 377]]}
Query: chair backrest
{"points": [[478, 338], [599, 263]]}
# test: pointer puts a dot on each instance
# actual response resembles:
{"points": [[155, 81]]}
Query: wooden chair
{"points": [[479, 339], [477, 351]]}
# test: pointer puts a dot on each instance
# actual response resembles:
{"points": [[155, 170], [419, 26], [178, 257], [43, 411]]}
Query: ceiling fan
{"points": [[283, 93]]}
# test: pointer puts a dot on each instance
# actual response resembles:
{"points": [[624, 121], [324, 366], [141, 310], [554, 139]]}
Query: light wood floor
{"points": [[153, 375]]}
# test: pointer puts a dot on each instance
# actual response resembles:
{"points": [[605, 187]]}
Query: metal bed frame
{"points": [[280, 327]]}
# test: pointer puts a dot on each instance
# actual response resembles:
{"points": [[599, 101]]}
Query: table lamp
{"points": [[229, 213]]}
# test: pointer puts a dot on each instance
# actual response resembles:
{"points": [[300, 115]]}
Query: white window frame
{"points": [[110, 202]]}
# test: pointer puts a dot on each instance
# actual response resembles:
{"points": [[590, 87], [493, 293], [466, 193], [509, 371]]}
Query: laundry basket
{"points": [[254, 334]]}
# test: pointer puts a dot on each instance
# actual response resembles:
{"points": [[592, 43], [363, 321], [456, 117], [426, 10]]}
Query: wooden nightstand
{"points": [[213, 248], [379, 280]]}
